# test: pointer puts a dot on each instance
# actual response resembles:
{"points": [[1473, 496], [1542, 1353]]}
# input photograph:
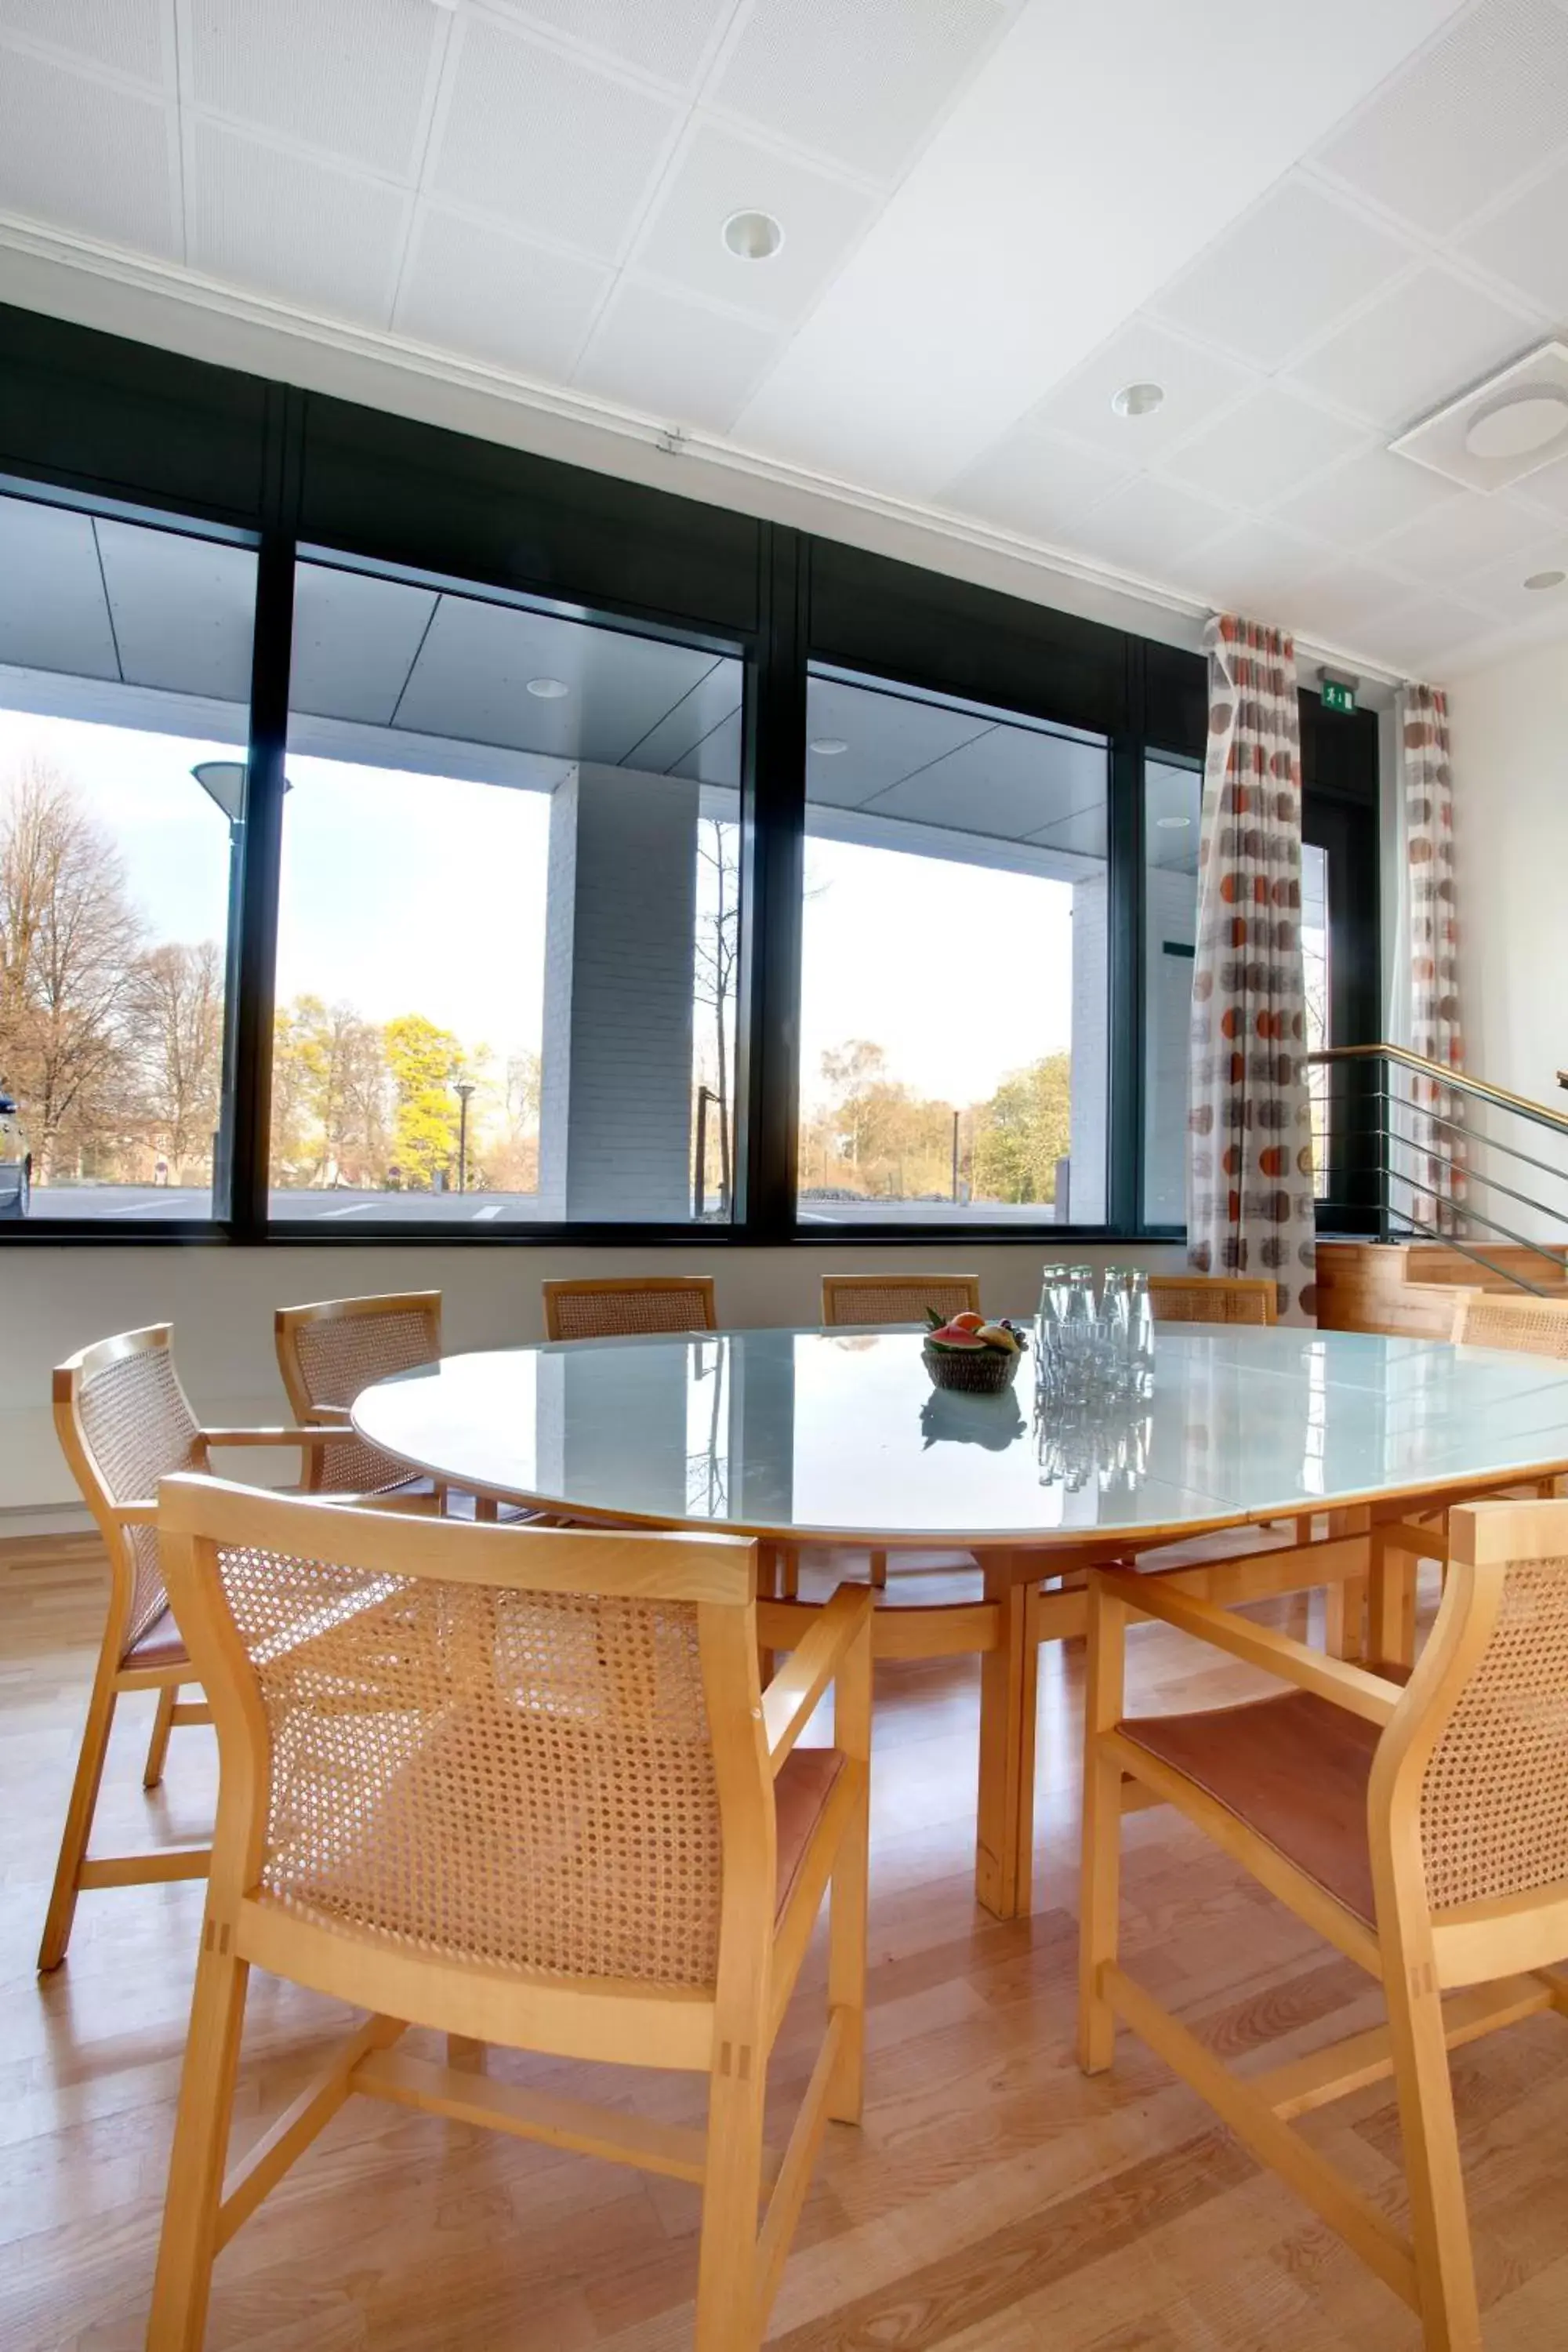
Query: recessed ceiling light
{"points": [[1137, 399], [1519, 424], [549, 689], [829, 747], [1546, 579], [753, 236], [1172, 824]]}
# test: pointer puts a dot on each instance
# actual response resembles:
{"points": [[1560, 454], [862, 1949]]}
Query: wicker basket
{"points": [[980, 1372]]}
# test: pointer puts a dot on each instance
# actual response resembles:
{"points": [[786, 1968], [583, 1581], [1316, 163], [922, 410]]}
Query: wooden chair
{"points": [[523, 1785], [1211, 1298], [1423, 1830], [624, 1306], [124, 1421], [330, 1350], [897, 1298], [1521, 1324]]}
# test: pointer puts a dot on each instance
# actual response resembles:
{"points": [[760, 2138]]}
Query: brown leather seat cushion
{"points": [[1294, 1769], [160, 1646], [802, 1788]]}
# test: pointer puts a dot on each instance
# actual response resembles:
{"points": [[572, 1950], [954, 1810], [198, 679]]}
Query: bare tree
{"points": [[69, 949], [717, 955], [177, 1003]]}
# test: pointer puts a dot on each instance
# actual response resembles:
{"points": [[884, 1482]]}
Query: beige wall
{"points": [[220, 1302], [1510, 732]]}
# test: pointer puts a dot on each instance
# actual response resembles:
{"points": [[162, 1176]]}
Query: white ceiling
{"points": [[1311, 225]]}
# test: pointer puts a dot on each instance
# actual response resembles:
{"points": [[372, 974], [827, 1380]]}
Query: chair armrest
{"points": [[135, 1514], [794, 1690], [332, 1416], [1352, 1687], [310, 1436]]}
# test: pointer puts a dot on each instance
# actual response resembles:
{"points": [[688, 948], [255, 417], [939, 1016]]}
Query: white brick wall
{"points": [[1172, 919], [1090, 1050], [616, 1083]]}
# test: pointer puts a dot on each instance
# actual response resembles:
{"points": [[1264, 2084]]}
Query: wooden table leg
{"points": [[1009, 1684], [1391, 1604], [1345, 1601]]}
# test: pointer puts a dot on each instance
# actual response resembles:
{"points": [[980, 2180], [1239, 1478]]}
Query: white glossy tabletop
{"points": [[839, 1434]]}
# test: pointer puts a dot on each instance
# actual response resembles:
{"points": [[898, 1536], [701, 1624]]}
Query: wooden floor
{"points": [[994, 2201]]}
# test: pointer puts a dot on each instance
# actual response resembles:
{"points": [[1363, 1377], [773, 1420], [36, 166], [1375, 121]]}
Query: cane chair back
{"points": [[124, 1421], [1522, 1324], [521, 1785], [897, 1298], [330, 1350], [628, 1305], [1211, 1298]]}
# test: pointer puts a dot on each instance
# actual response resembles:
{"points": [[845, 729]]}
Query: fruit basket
{"points": [[972, 1355]]}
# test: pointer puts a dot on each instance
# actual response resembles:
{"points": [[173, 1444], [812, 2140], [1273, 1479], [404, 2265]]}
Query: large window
{"points": [[124, 687], [510, 920], [953, 1001]]}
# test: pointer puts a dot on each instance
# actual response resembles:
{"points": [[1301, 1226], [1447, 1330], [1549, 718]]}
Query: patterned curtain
{"points": [[1435, 1163], [1249, 1146]]}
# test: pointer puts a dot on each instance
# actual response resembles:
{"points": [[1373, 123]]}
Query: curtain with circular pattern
{"points": [[1249, 1143], [1432, 1163]]}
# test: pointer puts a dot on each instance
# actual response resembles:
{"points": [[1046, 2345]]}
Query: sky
{"points": [[408, 893]]}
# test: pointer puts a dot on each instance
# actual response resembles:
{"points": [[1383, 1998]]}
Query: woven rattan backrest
{"points": [[329, 1351], [1494, 1796], [1535, 1326], [622, 1309], [897, 1298], [133, 1426], [477, 1772], [1210, 1298]]}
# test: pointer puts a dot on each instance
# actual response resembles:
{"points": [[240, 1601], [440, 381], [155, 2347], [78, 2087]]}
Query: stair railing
{"points": [[1382, 1140]]}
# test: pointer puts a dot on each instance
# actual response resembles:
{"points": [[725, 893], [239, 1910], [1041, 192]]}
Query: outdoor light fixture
{"points": [[548, 689], [1172, 824], [1137, 399], [1546, 579], [829, 747], [752, 236]]}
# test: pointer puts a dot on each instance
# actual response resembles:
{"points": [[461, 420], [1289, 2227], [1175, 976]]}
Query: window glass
{"points": [[1173, 814], [509, 920], [953, 1012], [124, 694]]}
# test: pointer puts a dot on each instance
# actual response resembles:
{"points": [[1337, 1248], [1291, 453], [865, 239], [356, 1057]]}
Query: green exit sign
{"points": [[1337, 695]]}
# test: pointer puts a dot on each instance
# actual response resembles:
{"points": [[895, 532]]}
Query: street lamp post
{"points": [[463, 1090]]}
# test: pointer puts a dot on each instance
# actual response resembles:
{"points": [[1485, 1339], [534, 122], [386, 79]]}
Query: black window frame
{"points": [[94, 420]]}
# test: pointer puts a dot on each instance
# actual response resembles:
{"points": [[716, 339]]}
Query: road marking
{"points": [[358, 1208], [481, 1215]]}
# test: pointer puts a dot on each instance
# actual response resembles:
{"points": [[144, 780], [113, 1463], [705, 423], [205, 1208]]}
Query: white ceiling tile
{"points": [[547, 142], [1347, 602], [258, 216], [355, 638], [1255, 453], [1527, 243], [721, 171], [862, 83], [1008, 780], [84, 154], [349, 76], [1282, 277], [1369, 494], [53, 615], [1415, 348], [1257, 568], [1421, 634], [1035, 481], [666, 37], [1549, 488], [470, 287], [184, 609], [1501, 588], [1463, 537], [1196, 382], [887, 736], [672, 359], [1486, 105], [126, 35], [1151, 526]]}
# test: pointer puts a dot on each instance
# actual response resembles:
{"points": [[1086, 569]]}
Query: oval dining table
{"points": [[800, 1437]]}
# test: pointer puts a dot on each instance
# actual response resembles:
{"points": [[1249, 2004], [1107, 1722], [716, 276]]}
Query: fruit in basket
{"points": [[968, 1334], [954, 1336], [999, 1335], [967, 1321]]}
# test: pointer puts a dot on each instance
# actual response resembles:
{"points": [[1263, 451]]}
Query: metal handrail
{"points": [[1440, 1075]]}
